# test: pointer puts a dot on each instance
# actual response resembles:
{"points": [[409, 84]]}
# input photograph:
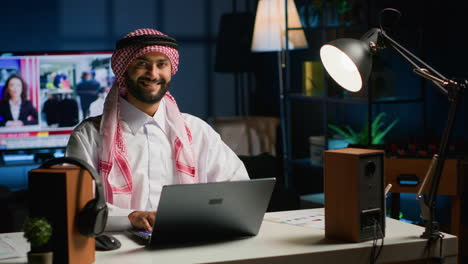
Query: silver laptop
{"points": [[209, 211]]}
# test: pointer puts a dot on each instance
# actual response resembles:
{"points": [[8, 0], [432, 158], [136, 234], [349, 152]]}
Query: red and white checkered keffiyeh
{"points": [[114, 166]]}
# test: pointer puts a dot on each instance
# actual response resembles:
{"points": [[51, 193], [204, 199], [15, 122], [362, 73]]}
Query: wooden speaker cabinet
{"points": [[58, 194], [354, 194]]}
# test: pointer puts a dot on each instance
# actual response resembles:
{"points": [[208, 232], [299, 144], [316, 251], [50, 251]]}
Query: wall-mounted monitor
{"points": [[43, 96]]}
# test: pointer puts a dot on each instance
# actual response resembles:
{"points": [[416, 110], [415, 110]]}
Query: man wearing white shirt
{"points": [[141, 141], [97, 106]]}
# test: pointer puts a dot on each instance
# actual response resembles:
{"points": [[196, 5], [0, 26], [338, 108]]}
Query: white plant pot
{"points": [[40, 258]]}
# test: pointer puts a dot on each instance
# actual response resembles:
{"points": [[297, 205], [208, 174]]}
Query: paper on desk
{"points": [[304, 218], [13, 245]]}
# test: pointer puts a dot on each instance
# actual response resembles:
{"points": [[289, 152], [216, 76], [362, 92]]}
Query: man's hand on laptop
{"points": [[142, 220]]}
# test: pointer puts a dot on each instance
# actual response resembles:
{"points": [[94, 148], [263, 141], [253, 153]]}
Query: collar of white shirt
{"points": [[135, 118]]}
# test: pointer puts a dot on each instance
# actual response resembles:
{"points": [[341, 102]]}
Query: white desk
{"points": [[283, 243]]}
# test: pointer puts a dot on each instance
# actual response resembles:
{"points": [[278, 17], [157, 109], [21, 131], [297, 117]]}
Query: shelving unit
{"points": [[310, 115]]}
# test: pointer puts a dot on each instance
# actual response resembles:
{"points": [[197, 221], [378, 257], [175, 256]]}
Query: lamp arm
{"points": [[423, 72], [453, 90], [441, 84], [400, 49], [406, 57]]}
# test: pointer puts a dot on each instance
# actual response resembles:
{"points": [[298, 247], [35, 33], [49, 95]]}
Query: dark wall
{"points": [[432, 29], [445, 49], [435, 32], [89, 25]]}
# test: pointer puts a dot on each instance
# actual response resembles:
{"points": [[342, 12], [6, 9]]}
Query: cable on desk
{"points": [[375, 253]]}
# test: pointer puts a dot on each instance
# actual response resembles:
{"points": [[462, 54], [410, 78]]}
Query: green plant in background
{"points": [[38, 232], [342, 6], [378, 131]]}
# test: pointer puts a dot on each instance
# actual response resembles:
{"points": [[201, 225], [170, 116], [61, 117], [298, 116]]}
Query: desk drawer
{"points": [[406, 175]]}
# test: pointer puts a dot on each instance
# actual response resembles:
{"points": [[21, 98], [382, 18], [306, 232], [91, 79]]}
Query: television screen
{"points": [[44, 96]]}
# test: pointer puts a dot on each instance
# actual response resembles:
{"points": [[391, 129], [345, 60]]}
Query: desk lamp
{"points": [[349, 61]]}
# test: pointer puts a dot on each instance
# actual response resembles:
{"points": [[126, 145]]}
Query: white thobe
{"points": [[150, 156]]}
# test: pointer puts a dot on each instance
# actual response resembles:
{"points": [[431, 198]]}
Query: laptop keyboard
{"points": [[143, 234]]}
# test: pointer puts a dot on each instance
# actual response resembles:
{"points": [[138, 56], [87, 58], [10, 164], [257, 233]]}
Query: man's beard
{"points": [[145, 96]]}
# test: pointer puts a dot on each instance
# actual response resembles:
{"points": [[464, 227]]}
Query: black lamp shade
{"points": [[348, 62]]}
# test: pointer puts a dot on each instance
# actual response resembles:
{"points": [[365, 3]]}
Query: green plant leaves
{"points": [[37, 231], [378, 132]]}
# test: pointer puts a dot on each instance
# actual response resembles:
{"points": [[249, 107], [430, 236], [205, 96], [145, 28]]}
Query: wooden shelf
{"points": [[306, 163], [354, 100], [320, 28]]}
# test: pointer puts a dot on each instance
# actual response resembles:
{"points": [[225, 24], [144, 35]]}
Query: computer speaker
{"points": [[354, 194]]}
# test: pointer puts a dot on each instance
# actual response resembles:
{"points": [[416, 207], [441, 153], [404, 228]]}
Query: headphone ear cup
{"points": [[91, 219]]}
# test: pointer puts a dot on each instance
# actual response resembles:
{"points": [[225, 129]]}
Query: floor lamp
{"points": [[233, 55], [273, 34], [349, 61]]}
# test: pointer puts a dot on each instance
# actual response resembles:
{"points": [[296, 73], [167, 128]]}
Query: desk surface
{"points": [[283, 243]]}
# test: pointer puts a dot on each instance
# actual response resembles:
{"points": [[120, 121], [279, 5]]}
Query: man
{"points": [[97, 106], [142, 142], [87, 89]]}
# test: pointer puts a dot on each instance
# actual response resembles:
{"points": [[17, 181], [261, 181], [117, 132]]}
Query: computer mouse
{"points": [[107, 242]]}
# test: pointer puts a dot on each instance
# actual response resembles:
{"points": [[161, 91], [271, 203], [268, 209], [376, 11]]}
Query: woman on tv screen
{"points": [[15, 109]]}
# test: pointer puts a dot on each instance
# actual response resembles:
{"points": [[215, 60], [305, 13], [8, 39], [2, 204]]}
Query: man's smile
{"points": [[149, 83]]}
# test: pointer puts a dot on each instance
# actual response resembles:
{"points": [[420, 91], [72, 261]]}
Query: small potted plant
{"points": [[378, 132], [38, 232]]}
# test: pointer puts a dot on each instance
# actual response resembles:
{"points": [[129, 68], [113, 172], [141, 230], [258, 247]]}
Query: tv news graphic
{"points": [[60, 88]]}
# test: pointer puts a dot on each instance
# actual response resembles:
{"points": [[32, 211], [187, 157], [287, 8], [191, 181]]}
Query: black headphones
{"points": [[92, 219]]}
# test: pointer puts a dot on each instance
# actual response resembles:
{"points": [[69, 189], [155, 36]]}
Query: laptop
{"points": [[209, 211]]}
